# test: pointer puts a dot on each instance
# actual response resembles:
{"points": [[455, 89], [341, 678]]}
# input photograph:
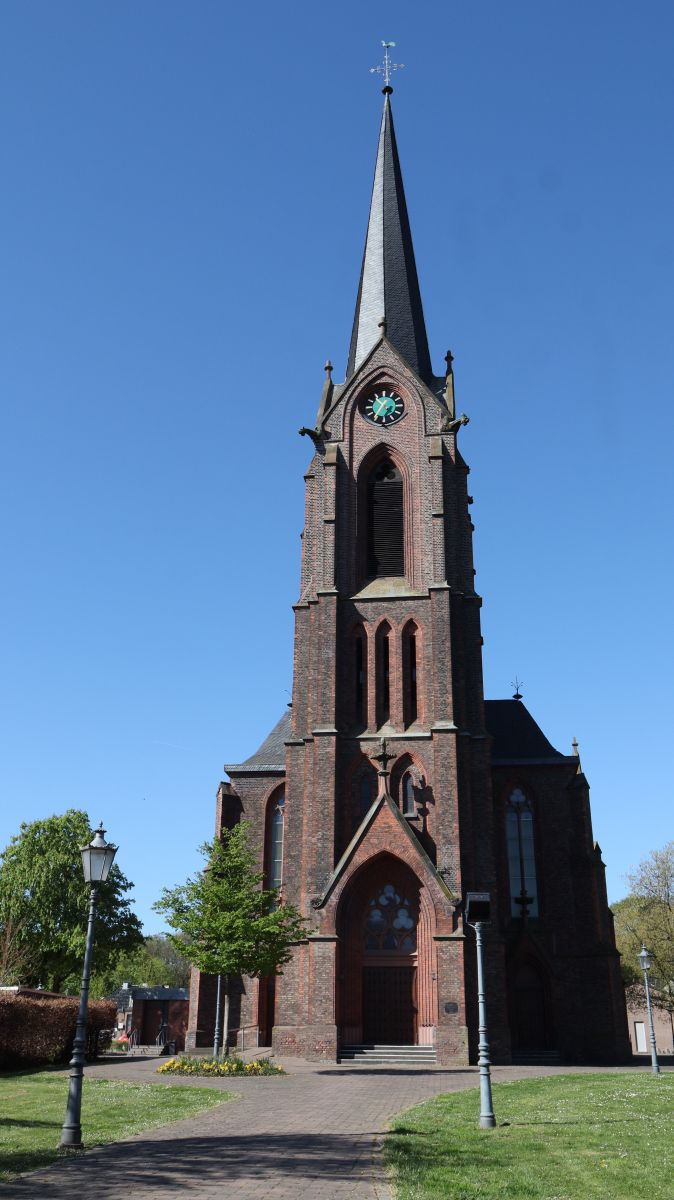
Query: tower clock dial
{"points": [[383, 408]]}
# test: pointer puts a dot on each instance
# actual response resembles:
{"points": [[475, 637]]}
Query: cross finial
{"points": [[383, 757], [387, 68], [517, 684]]}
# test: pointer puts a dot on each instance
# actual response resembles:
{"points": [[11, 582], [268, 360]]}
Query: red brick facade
{"points": [[349, 858]]}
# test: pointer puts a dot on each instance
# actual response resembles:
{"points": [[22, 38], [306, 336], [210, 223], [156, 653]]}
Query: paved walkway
{"points": [[315, 1134]]}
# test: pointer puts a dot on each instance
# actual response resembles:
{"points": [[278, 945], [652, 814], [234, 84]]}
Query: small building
{"points": [[637, 1020], [153, 1013]]}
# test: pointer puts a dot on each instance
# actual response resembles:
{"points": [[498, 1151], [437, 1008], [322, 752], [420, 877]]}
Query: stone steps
{"points": [[537, 1058], [409, 1056]]}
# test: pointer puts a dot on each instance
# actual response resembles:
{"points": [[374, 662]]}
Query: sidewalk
{"points": [[314, 1134]]}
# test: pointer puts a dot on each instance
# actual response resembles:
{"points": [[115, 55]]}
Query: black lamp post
{"points": [[646, 962], [477, 913], [97, 859]]}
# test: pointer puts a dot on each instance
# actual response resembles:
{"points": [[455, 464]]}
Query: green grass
{"points": [[32, 1108], [570, 1137]]}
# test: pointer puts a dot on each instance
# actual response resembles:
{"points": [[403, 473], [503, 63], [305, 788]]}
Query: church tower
{"points": [[390, 788]]}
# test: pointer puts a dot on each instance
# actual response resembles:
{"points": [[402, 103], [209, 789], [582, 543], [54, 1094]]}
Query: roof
{"points": [[125, 995], [271, 755], [516, 736], [389, 287]]}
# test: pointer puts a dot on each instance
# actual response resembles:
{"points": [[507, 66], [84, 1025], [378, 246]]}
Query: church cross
{"points": [[383, 757], [388, 67]]}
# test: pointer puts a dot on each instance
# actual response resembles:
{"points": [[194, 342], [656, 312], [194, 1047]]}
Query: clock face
{"points": [[383, 408]]}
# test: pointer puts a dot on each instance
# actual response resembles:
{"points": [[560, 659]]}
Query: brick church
{"points": [[391, 787]]}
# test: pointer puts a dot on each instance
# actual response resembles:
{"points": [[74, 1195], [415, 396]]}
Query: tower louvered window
{"points": [[386, 550]]}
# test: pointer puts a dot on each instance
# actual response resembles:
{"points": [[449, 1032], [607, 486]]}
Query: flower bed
{"points": [[215, 1068]]}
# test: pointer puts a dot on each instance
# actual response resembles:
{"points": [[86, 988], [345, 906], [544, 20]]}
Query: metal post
{"points": [[71, 1133], [655, 1066], [487, 1118], [216, 1035]]}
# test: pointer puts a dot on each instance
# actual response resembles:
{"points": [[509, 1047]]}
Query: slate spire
{"points": [[389, 288]]}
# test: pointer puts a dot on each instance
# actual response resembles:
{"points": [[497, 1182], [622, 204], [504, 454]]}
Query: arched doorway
{"points": [[384, 951]]}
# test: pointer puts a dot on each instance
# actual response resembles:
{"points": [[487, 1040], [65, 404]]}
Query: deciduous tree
{"points": [[225, 921], [44, 900]]}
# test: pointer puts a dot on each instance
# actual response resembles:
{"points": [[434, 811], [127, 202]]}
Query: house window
{"points": [[385, 524], [275, 827], [521, 855]]}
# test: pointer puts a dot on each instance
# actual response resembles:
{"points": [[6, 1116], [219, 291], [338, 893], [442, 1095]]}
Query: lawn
{"points": [[33, 1108], [568, 1137]]}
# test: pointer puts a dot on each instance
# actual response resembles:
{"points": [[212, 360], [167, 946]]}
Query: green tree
{"points": [[44, 899], [646, 917], [154, 963], [225, 921]]}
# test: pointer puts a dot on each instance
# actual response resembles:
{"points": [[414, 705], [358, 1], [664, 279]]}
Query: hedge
{"points": [[42, 1030]]}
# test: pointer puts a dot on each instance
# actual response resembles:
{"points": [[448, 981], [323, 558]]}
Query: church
{"points": [[390, 788]]}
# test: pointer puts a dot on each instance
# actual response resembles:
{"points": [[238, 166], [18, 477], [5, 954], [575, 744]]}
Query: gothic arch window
{"points": [[360, 677], [390, 923], [385, 520], [408, 795], [274, 839], [383, 673], [410, 653], [521, 854]]}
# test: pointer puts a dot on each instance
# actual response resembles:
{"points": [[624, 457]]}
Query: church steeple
{"points": [[389, 288]]}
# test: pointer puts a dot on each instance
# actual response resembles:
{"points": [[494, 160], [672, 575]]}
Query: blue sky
{"points": [[182, 214]]}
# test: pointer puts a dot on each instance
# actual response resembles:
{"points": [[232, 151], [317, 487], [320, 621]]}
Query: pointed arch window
{"points": [[410, 674], [390, 924], [521, 855], [274, 839], [385, 521], [360, 677], [408, 795], [383, 670]]}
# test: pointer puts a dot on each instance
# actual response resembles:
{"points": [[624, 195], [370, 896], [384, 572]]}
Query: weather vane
{"points": [[517, 684], [388, 66]]}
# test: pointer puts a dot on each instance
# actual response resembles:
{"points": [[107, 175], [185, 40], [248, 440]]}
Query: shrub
{"points": [[36, 1029], [218, 1067]]}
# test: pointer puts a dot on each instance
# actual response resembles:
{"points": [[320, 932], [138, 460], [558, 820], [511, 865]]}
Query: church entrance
{"points": [[379, 925], [388, 1005]]}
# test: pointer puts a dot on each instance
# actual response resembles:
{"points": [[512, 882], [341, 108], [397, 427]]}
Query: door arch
{"points": [[385, 957]]}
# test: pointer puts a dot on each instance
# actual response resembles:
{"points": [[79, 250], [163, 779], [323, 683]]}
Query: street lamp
{"points": [[477, 914], [97, 859], [646, 962]]}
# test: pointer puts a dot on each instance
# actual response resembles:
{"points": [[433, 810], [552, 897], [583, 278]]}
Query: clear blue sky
{"points": [[183, 207]]}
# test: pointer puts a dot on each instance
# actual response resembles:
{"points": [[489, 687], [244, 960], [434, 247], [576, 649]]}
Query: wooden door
{"points": [[388, 1005]]}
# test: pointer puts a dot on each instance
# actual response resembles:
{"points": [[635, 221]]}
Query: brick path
{"points": [[316, 1133]]}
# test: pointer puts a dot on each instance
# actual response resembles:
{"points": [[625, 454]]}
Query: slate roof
{"points": [[517, 737], [271, 755], [389, 287]]}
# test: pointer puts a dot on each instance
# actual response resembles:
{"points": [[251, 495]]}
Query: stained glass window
{"points": [[276, 820], [521, 853], [390, 925]]}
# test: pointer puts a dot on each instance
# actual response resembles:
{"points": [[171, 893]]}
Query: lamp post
{"points": [[646, 962], [97, 859], [477, 913], [216, 1032]]}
